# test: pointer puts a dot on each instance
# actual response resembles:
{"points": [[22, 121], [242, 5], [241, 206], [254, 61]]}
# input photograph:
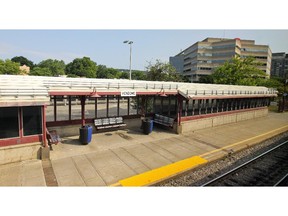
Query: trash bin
{"points": [[147, 126], [85, 134]]}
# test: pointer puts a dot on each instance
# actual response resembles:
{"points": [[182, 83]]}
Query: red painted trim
{"points": [[23, 140], [55, 108], [21, 104], [228, 96], [156, 93], [20, 122], [51, 93], [67, 122], [188, 118], [44, 126], [83, 98]]}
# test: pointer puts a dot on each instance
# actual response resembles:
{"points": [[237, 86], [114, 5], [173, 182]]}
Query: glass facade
{"points": [[208, 106], [9, 122], [32, 121]]}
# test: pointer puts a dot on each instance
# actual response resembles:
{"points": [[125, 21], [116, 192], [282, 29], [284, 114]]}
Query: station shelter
{"points": [[30, 104]]}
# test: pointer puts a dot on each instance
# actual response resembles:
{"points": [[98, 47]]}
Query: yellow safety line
{"points": [[156, 175], [237, 143], [161, 173]]}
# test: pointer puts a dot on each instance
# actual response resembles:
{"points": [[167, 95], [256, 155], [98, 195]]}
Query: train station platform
{"points": [[130, 158]]}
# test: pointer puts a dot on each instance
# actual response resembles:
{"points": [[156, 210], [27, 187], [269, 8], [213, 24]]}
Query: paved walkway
{"points": [[129, 158]]}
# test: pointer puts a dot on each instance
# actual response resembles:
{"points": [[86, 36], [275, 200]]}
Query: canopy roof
{"points": [[29, 90]]}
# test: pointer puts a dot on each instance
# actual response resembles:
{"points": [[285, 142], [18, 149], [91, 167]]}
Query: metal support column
{"points": [[83, 98]]}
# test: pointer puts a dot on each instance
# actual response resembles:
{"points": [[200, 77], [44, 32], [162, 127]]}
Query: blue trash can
{"points": [[147, 126], [85, 134]]}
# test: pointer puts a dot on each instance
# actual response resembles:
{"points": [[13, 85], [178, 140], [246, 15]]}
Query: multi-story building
{"points": [[203, 57], [279, 65]]}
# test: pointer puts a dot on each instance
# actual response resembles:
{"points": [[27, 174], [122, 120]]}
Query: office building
{"points": [[203, 57], [279, 65]]}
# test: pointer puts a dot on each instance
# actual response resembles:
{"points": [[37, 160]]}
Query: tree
{"points": [[39, 71], [138, 75], [82, 67], [55, 66], [23, 61], [206, 79], [239, 71], [162, 72], [101, 71], [9, 67]]}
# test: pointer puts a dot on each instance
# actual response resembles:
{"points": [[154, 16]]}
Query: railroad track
{"points": [[268, 169]]}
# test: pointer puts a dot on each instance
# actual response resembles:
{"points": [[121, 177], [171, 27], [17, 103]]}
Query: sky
{"points": [[106, 47]]}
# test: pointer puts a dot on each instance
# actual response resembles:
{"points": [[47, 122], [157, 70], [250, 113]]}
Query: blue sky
{"points": [[106, 46]]}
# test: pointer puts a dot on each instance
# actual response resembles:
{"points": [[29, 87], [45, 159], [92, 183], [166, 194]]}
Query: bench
{"points": [[52, 137], [164, 120], [111, 122]]}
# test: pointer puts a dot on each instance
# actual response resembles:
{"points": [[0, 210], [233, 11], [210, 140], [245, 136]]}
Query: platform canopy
{"points": [[25, 90]]}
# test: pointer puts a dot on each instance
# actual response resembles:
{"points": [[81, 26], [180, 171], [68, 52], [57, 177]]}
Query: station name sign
{"points": [[128, 93]]}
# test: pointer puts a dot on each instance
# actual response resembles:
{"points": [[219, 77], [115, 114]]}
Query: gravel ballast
{"points": [[198, 177]]}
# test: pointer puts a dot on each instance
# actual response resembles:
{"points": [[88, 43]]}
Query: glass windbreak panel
{"points": [[123, 106], [133, 106], [62, 108], [50, 111], [113, 105], [75, 108], [9, 125], [183, 108], [158, 105], [149, 104], [196, 107], [90, 108], [173, 106], [189, 108], [101, 107], [32, 120], [166, 106]]}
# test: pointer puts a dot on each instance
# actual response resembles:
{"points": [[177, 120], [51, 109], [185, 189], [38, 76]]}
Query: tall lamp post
{"points": [[129, 42]]}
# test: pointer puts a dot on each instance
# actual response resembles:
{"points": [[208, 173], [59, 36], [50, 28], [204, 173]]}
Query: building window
{"points": [[9, 126], [32, 121]]}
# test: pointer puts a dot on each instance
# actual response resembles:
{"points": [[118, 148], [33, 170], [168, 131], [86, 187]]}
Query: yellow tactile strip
{"points": [[156, 175]]}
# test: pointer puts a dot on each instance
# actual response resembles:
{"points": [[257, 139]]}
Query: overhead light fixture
{"points": [[94, 94], [162, 93]]}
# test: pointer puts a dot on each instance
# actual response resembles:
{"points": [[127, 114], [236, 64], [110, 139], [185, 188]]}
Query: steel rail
{"points": [[242, 165], [281, 180]]}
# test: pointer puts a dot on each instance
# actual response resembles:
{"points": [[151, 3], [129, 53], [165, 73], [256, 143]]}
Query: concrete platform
{"points": [[130, 158]]}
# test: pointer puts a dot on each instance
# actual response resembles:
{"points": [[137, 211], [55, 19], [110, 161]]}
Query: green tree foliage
{"points": [[102, 71], [138, 75], [162, 72], [108, 73], [9, 67], [111, 73], [23, 61], [238, 71], [82, 67], [55, 66], [40, 71]]}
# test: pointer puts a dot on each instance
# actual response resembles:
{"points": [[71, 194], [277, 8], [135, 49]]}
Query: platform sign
{"points": [[128, 93]]}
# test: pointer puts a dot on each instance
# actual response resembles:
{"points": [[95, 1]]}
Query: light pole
{"points": [[129, 42]]}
